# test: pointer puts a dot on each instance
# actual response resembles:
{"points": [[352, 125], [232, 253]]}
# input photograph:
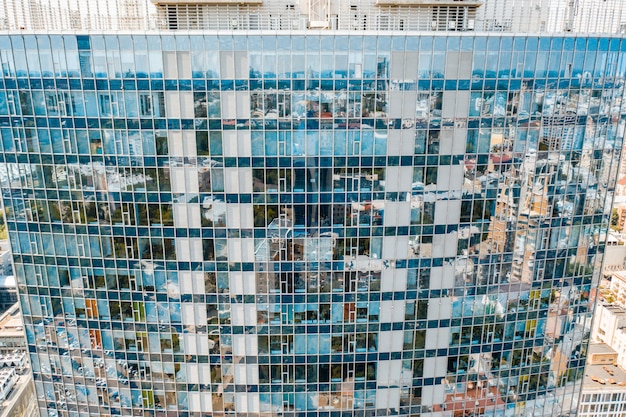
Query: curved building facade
{"points": [[309, 223]]}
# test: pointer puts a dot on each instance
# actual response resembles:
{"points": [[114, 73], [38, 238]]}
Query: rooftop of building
{"points": [[620, 200], [11, 323], [619, 275], [615, 309], [8, 281], [615, 238], [603, 377], [600, 348], [14, 366], [23, 387]]}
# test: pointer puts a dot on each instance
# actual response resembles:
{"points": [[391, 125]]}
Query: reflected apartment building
{"points": [[333, 208]]}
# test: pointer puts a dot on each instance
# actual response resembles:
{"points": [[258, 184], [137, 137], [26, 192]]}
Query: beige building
{"points": [[618, 287], [21, 400], [614, 255], [11, 331], [609, 327], [604, 384], [17, 394]]}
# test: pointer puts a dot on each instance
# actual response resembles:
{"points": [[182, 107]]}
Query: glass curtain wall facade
{"points": [[308, 224]]}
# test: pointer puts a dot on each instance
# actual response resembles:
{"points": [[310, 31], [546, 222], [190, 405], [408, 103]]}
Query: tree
{"points": [[615, 220], [3, 227]]}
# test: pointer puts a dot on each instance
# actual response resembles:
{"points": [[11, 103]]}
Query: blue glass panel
{"points": [[398, 43], [592, 44], [182, 42], [225, 42]]}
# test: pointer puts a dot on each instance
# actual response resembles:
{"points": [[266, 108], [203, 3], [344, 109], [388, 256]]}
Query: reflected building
{"points": [[313, 218]]}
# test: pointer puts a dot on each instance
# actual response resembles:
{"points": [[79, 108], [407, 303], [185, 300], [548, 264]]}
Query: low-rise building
{"points": [[614, 254], [604, 384], [17, 393], [11, 332], [21, 399], [618, 287], [609, 327]]}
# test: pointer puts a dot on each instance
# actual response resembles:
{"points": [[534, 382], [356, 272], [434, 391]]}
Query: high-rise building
{"points": [[312, 208]]}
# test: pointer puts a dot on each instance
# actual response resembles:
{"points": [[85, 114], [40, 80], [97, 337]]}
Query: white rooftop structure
{"points": [[588, 16]]}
